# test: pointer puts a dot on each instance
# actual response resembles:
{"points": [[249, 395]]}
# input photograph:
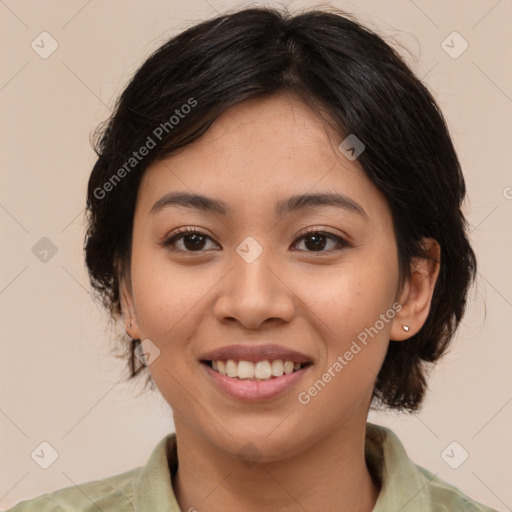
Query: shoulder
{"points": [[113, 493], [446, 497], [147, 487], [405, 484]]}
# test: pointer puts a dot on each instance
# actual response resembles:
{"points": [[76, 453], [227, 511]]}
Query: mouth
{"points": [[254, 381], [255, 371]]}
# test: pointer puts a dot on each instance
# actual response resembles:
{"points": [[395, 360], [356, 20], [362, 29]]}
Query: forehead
{"points": [[261, 151]]}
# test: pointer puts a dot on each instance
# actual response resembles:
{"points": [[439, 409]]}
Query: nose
{"points": [[256, 292]]}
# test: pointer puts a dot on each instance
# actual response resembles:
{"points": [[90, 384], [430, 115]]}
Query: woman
{"points": [[275, 213]]}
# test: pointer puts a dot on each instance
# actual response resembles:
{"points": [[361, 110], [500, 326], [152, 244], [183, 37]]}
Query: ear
{"points": [[128, 308], [417, 292]]}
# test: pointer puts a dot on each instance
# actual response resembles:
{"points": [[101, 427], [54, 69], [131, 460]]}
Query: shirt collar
{"points": [[153, 487], [401, 482]]}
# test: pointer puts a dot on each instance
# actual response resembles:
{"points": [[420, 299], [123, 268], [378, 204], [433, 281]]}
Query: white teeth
{"points": [[231, 368], [277, 368], [288, 367], [245, 370], [261, 370]]}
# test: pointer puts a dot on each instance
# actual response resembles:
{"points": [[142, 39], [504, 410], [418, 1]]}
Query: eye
{"points": [[319, 240], [193, 240]]}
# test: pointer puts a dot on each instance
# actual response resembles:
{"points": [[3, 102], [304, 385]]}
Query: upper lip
{"points": [[255, 353]]}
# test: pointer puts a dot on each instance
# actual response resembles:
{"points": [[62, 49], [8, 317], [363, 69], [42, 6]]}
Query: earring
{"points": [[405, 328]]}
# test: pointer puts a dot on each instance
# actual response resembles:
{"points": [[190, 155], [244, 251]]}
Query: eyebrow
{"points": [[282, 207]]}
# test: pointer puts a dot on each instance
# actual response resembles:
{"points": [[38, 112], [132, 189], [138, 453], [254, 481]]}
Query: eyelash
{"points": [[181, 232]]}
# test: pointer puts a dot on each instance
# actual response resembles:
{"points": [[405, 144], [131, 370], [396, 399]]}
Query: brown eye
{"points": [[316, 241], [192, 240]]}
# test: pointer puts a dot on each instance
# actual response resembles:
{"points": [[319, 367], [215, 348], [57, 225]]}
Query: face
{"points": [[317, 277]]}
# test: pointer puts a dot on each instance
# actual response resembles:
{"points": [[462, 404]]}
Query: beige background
{"points": [[59, 383]]}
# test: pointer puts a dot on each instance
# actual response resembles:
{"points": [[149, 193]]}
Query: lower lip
{"points": [[255, 391]]}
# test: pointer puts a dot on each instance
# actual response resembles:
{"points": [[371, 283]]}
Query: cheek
{"points": [[350, 296], [162, 292], [352, 311], [356, 339], [167, 302], [163, 295]]}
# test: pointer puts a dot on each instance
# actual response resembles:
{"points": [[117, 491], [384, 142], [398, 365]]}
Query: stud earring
{"points": [[405, 328]]}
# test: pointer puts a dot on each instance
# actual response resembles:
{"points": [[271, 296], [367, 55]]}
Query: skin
{"points": [[311, 457]]}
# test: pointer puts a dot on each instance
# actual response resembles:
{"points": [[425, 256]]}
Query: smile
{"points": [[254, 381], [256, 371]]}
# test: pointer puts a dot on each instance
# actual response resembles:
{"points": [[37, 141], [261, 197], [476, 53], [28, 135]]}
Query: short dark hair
{"points": [[334, 63]]}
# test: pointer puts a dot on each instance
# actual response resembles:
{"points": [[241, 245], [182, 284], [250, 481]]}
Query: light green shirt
{"points": [[405, 486]]}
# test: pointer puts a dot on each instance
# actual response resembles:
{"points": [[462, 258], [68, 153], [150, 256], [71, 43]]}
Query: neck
{"points": [[331, 474]]}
